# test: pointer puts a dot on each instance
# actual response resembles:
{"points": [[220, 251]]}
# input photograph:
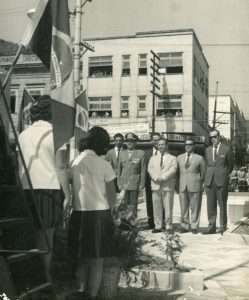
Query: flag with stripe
{"points": [[24, 119], [81, 116], [48, 35]]}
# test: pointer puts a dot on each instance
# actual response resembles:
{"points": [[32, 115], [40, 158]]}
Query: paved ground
{"points": [[223, 259]]}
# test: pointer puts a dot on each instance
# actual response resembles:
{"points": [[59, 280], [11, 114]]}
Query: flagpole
{"points": [[6, 79]]}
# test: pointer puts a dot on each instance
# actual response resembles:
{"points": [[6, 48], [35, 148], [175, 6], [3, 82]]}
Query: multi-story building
{"points": [[29, 74], [117, 77], [231, 123], [118, 83]]}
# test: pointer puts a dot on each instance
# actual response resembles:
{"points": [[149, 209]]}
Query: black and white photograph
{"points": [[124, 150]]}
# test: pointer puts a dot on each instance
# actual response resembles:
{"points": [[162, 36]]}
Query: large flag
{"points": [[81, 124], [48, 35], [81, 116], [24, 119]]}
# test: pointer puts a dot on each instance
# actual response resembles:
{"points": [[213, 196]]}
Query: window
{"points": [[13, 102], [171, 63], [169, 106], [199, 113], [124, 107], [100, 107], [142, 64], [141, 106], [125, 65], [100, 66]]}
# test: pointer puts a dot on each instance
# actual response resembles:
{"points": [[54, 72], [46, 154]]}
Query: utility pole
{"points": [[155, 87], [77, 40], [79, 44], [215, 104]]}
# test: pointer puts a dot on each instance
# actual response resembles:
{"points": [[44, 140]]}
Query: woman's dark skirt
{"points": [[49, 207], [91, 234]]}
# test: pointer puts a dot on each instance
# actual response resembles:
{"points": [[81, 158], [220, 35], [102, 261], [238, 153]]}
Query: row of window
{"points": [[102, 66], [167, 105], [200, 78], [200, 114]]}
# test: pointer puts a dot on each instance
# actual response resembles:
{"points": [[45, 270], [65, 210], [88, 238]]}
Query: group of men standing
{"points": [[162, 174]]}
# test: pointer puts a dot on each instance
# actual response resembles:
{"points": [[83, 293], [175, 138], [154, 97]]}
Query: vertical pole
{"points": [[77, 40], [215, 104], [153, 98]]}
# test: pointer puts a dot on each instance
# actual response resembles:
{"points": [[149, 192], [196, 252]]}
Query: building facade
{"points": [[117, 78], [231, 123]]}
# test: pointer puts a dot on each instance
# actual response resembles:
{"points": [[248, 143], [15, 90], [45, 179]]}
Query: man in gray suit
{"points": [[219, 160], [191, 171], [131, 176]]}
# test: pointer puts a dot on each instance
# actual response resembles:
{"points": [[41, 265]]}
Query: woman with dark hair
{"points": [[91, 221], [37, 146]]}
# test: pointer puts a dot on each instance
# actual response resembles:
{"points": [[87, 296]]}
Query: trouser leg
{"points": [[149, 205], [211, 206], [168, 197], [184, 205], [222, 200], [195, 209], [157, 209], [132, 200]]}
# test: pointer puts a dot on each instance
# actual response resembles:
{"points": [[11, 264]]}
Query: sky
{"points": [[222, 27]]}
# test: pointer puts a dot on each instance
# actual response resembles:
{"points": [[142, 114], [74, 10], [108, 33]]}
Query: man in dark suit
{"points": [[131, 176], [148, 193], [219, 160], [191, 170], [113, 155]]}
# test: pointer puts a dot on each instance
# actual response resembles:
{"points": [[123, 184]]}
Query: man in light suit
{"points": [[162, 169], [149, 205], [113, 155], [131, 176], [219, 160], [191, 171]]}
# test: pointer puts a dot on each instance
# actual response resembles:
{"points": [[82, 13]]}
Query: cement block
{"points": [[237, 209], [164, 280]]}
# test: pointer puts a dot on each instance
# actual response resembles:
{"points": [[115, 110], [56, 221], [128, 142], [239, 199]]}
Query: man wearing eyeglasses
{"points": [[219, 161]]}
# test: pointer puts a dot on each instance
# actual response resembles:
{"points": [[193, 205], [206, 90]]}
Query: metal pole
{"points": [[153, 103], [215, 105], [77, 40]]}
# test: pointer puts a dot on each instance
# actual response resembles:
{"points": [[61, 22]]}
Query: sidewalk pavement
{"points": [[224, 260]]}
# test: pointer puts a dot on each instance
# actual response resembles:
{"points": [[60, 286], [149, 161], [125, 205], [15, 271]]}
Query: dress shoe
{"points": [[156, 230], [183, 230], [221, 230], [210, 231], [194, 231]]}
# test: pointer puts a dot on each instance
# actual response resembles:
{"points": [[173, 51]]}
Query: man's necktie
{"points": [[215, 152], [187, 162], [155, 153], [118, 155], [161, 161]]}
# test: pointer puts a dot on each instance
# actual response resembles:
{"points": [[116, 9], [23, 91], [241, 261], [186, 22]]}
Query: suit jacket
{"points": [[219, 169], [166, 173], [112, 158], [192, 177], [131, 170]]}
